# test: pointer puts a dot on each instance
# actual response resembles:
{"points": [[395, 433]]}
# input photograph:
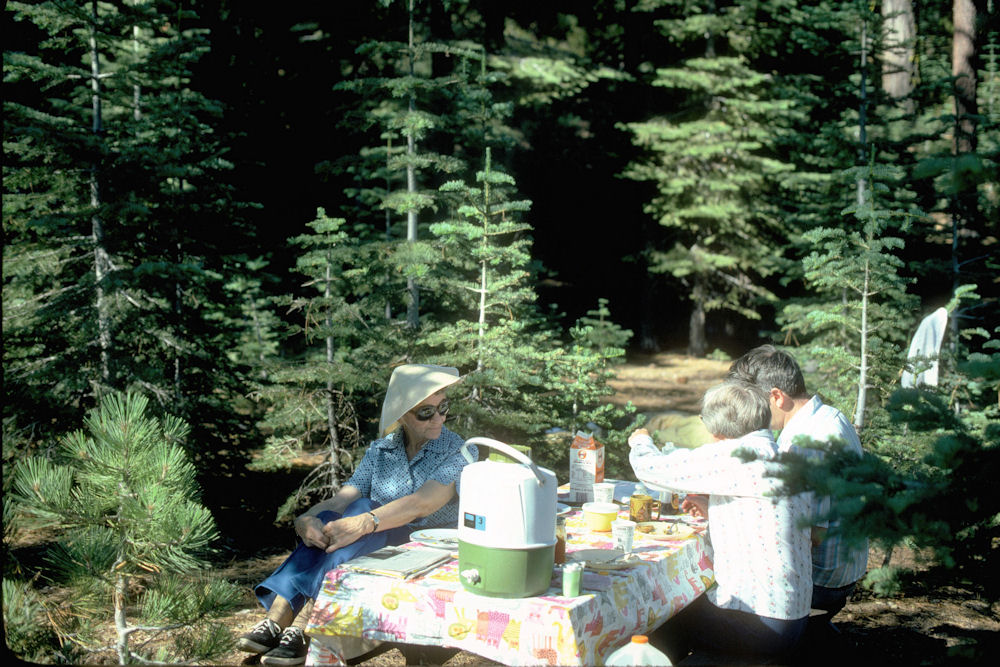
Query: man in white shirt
{"points": [[759, 605], [837, 565]]}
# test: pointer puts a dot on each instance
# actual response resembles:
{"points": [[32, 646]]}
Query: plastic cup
{"points": [[572, 573], [604, 492], [623, 533]]}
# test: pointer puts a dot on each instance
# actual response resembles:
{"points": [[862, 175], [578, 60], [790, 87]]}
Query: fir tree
{"points": [[318, 398], [713, 163], [519, 374], [124, 497], [859, 321], [406, 107], [114, 186]]}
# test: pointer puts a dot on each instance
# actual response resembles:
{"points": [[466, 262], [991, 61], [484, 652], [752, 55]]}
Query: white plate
{"points": [[442, 538], [562, 508], [665, 530]]}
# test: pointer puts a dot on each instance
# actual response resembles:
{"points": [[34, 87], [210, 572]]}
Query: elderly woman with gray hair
{"points": [[408, 479]]}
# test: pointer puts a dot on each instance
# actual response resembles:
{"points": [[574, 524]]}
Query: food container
{"points": [[506, 524], [586, 466], [560, 552], [598, 516]]}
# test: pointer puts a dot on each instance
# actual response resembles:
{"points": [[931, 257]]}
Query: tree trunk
{"points": [[963, 68], [899, 33], [102, 262], [859, 410], [388, 214], [121, 621], [480, 362], [647, 326], [331, 407], [413, 308], [696, 325]]}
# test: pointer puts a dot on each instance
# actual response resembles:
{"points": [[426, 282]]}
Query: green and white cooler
{"points": [[506, 524]]}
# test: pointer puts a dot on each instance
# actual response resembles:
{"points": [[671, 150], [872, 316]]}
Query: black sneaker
{"points": [[290, 651], [262, 638]]}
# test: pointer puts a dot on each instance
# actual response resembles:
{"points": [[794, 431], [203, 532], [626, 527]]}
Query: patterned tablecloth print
{"points": [[546, 630]]}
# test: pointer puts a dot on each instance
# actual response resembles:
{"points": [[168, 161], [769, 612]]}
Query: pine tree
{"points": [[124, 497], [258, 342], [864, 330], [319, 398], [408, 100], [713, 163], [485, 281], [114, 188], [519, 373]]}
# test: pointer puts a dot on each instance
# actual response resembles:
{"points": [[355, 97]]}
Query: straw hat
{"points": [[409, 385]]}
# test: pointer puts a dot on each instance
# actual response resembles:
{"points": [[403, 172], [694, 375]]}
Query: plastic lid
{"points": [[640, 639]]}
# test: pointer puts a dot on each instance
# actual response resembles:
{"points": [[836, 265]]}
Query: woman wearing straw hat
{"points": [[408, 479]]}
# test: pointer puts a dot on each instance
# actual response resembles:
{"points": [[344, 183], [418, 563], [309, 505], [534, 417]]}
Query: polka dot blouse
{"points": [[385, 474]]}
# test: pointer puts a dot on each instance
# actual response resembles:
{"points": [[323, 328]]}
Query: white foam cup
{"points": [[622, 533]]}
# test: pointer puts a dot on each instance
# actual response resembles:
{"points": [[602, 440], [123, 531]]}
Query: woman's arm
{"points": [[426, 500], [308, 526], [709, 469]]}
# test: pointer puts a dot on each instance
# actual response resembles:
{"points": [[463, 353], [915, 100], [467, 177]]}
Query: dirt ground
{"points": [[933, 622]]}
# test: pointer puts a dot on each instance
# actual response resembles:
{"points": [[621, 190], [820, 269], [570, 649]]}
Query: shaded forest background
{"points": [[225, 224]]}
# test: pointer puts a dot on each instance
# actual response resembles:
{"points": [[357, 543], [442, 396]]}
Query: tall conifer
{"points": [[713, 162], [114, 189], [318, 397]]}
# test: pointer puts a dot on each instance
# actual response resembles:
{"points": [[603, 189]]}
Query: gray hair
{"points": [[735, 408]]}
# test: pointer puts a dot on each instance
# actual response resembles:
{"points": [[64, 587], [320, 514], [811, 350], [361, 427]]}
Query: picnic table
{"points": [[549, 629]]}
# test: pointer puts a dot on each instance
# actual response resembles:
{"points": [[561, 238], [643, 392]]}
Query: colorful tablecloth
{"points": [[546, 630]]}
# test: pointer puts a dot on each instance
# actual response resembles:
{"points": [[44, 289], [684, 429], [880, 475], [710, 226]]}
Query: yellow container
{"points": [[598, 516]]}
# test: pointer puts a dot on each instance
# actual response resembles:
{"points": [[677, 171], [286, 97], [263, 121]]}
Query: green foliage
{"points": [[596, 330], [521, 381], [713, 163], [124, 497], [114, 189], [26, 632], [312, 402], [858, 314]]}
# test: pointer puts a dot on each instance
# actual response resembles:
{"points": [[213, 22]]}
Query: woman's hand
{"points": [[696, 505], [310, 530], [346, 530], [637, 432]]}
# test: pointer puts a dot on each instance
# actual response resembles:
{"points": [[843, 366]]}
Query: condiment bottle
{"points": [[560, 551]]}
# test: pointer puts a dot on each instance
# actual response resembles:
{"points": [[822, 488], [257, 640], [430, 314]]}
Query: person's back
{"points": [[760, 544], [836, 563], [802, 421]]}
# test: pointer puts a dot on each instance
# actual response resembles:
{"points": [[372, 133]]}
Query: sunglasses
{"points": [[427, 412]]}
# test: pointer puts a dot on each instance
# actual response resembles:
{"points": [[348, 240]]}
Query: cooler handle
{"points": [[506, 449]]}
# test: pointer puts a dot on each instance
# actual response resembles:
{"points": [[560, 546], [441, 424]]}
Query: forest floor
{"points": [[937, 619]]}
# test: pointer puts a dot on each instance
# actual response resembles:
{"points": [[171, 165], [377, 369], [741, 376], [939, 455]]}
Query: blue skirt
{"points": [[300, 576]]}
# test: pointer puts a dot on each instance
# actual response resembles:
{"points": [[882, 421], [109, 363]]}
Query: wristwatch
{"points": [[374, 521]]}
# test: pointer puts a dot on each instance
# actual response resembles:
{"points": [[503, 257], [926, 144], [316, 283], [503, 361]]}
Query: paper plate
{"points": [[664, 530], [442, 538], [603, 559], [562, 508]]}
